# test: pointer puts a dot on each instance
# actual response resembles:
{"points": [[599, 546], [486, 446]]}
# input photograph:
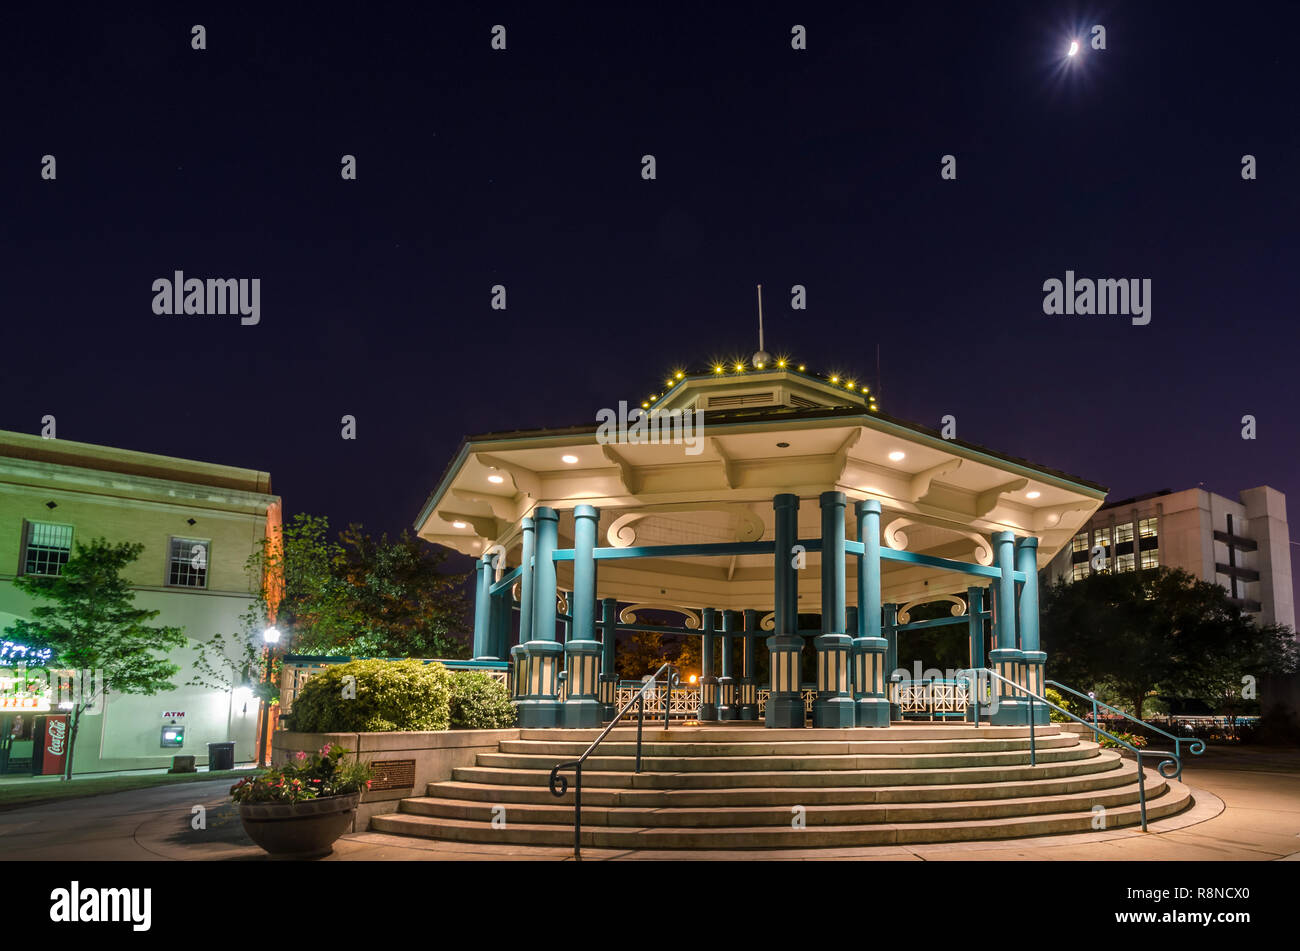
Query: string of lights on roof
{"points": [[737, 368]]}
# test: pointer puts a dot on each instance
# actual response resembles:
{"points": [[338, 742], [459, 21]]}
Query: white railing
{"points": [[809, 698], [934, 698], [684, 704]]}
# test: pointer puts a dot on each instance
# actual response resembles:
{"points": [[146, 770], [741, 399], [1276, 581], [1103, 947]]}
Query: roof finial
{"points": [[762, 358]]}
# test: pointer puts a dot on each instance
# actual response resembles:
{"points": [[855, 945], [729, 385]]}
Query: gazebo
{"points": [[739, 498]]}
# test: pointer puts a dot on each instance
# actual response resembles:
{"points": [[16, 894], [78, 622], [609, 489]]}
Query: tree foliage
{"points": [[92, 625], [1157, 630]]}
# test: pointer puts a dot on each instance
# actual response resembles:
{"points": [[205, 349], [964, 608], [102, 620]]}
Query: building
{"points": [[745, 496], [1242, 544], [198, 523]]}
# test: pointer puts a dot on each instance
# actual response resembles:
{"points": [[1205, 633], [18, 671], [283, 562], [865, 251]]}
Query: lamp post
{"points": [[271, 637]]}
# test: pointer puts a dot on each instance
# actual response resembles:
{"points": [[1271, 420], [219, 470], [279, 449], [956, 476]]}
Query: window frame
{"points": [[207, 568], [28, 525]]}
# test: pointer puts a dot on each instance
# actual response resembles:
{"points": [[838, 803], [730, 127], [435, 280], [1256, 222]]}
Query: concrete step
{"points": [[746, 816], [1173, 798], [757, 733], [751, 778], [601, 762], [1112, 772], [652, 746]]}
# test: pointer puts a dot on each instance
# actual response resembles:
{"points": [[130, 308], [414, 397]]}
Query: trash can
{"points": [[221, 756]]}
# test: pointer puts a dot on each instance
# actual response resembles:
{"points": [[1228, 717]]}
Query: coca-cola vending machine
{"points": [[50, 744]]}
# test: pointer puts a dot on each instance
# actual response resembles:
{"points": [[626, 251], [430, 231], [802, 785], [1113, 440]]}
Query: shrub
{"points": [[1054, 696], [390, 695], [480, 703], [1133, 739]]}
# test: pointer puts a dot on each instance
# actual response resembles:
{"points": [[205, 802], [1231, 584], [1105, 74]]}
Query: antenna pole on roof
{"points": [[760, 318]]}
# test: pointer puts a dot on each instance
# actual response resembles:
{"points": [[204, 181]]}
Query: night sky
{"points": [[522, 167]]}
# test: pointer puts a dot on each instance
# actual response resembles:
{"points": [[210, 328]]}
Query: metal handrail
{"points": [[559, 785], [1033, 757], [1195, 745]]}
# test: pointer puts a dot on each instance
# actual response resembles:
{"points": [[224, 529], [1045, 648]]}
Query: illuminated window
{"points": [[1079, 572], [1102, 537], [188, 564], [47, 548], [1125, 562], [1123, 533], [1148, 527], [1080, 542], [1151, 558]]}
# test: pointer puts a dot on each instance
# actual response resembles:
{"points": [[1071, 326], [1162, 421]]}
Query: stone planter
{"points": [[299, 830]]}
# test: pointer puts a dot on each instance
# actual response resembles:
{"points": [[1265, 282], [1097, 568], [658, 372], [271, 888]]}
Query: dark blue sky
{"points": [[522, 167]]}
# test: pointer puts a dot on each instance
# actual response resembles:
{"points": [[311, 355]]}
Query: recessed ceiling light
{"points": [[457, 524], [1033, 495], [783, 445], [496, 479], [896, 456], [570, 459]]}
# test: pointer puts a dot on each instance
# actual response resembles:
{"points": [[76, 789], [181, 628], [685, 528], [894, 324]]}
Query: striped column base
{"points": [[870, 705], [1011, 710], [833, 708], [608, 686], [1032, 678], [537, 683], [785, 704], [581, 710], [708, 699], [747, 700], [727, 706]]}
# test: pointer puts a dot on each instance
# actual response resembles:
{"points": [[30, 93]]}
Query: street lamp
{"points": [[271, 637]]}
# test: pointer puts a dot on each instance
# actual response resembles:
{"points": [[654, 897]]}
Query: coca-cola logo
{"points": [[57, 730]]}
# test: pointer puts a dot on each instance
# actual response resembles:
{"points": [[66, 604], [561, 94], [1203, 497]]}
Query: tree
{"points": [[361, 596], [93, 628], [1159, 628], [230, 662]]}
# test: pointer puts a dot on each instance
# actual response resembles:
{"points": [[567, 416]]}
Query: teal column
{"points": [[785, 703], [539, 703], [608, 670], [708, 682], [747, 687], [482, 649], [727, 706], [582, 650], [1032, 659], [519, 673], [870, 650], [1006, 660], [834, 707], [890, 633], [975, 631]]}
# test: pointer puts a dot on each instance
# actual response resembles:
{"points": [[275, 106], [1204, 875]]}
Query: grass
{"points": [[17, 795]]}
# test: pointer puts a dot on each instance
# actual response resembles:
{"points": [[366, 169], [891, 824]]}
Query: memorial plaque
{"points": [[392, 774]]}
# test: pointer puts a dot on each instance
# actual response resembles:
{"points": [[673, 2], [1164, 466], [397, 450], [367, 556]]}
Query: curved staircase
{"points": [[745, 787]]}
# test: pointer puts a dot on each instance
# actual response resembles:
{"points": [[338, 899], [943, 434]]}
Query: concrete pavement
{"points": [[1247, 808]]}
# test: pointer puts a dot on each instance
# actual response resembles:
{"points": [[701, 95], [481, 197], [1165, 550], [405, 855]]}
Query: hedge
{"points": [[388, 696], [480, 703], [384, 696]]}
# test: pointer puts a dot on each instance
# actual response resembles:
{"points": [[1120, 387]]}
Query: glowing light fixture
{"points": [[1033, 495], [569, 458], [896, 456], [457, 524], [496, 479], [271, 635], [719, 368]]}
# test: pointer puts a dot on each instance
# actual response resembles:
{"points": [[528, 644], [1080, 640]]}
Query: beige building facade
{"points": [[198, 523]]}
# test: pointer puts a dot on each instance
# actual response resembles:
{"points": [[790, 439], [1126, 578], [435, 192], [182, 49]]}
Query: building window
{"points": [[1080, 542], [47, 548], [1123, 533], [1147, 527], [1102, 537], [1125, 562], [1151, 558], [188, 564], [1079, 572]]}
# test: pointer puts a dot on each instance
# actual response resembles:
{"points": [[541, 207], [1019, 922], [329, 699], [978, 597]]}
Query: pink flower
{"points": [[300, 755]]}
